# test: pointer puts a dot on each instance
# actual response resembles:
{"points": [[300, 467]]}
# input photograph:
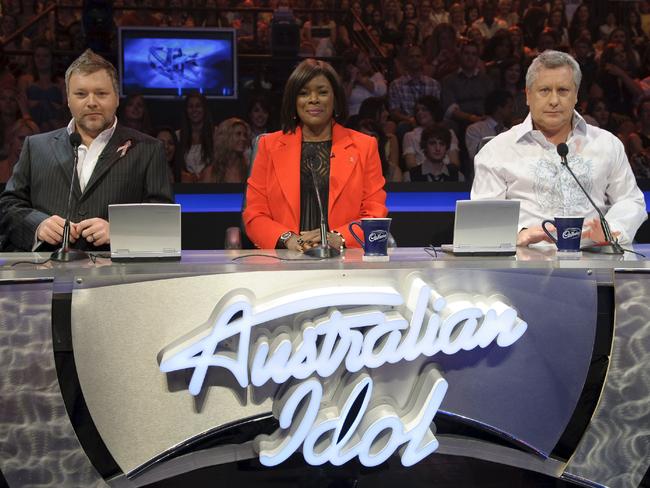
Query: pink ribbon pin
{"points": [[123, 149]]}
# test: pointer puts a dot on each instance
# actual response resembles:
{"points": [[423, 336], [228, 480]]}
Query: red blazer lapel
{"points": [[343, 161], [285, 158]]}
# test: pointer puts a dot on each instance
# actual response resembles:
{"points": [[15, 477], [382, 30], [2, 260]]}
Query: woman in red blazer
{"points": [[281, 209]]}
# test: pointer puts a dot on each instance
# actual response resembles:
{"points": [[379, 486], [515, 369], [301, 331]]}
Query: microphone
{"points": [[324, 250], [64, 253], [563, 151]]}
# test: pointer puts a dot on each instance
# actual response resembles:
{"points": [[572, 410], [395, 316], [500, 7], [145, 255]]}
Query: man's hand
{"points": [[95, 230], [533, 235], [594, 231], [51, 230]]}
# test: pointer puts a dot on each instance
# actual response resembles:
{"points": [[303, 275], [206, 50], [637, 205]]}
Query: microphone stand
{"points": [[65, 253], [324, 250], [609, 238]]}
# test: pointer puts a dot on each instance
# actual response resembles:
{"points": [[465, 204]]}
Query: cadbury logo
{"points": [[571, 233], [378, 235]]}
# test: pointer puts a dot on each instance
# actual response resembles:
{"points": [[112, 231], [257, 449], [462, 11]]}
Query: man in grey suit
{"points": [[116, 165]]}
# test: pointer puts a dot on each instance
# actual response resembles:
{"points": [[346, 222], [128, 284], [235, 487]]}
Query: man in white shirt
{"points": [[523, 164]]}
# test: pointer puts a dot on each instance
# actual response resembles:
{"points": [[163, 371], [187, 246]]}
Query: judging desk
{"points": [[120, 374]]}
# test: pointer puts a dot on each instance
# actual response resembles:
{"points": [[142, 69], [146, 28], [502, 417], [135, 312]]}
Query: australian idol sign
{"points": [[364, 327]]}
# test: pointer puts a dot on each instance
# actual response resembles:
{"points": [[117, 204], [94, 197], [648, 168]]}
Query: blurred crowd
{"points": [[442, 76]]}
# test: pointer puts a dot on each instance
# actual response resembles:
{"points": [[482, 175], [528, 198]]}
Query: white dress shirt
{"points": [[360, 93], [88, 156], [520, 164]]}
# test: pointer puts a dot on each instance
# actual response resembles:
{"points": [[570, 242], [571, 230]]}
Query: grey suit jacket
{"points": [[41, 179]]}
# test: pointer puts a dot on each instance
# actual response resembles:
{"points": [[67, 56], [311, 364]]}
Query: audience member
{"points": [[488, 24], [457, 18], [639, 141], [360, 80], [134, 113], [423, 21], [434, 144], [438, 13], [581, 21], [428, 111], [464, 92], [441, 52], [15, 138], [320, 31], [498, 110], [389, 159], [597, 113], [258, 115], [43, 90], [231, 143], [513, 82], [196, 138], [617, 86], [167, 136], [405, 90], [12, 109]]}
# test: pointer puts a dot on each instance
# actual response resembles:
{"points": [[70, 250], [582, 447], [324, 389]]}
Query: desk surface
{"points": [[15, 266]]}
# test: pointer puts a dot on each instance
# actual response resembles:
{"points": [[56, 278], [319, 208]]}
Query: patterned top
{"points": [[316, 156]]}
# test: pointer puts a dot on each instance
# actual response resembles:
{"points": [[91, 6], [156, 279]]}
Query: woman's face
{"points": [[259, 116], [195, 110], [134, 110], [475, 35], [515, 36], [8, 103], [357, 9], [512, 74], [16, 143], [583, 13], [472, 14], [555, 19], [239, 138], [42, 59], [168, 144], [409, 11], [422, 115], [409, 31], [363, 63], [456, 14], [618, 36], [315, 102], [446, 40], [601, 114]]}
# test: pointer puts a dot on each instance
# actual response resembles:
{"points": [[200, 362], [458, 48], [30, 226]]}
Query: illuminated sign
{"points": [[362, 328]]}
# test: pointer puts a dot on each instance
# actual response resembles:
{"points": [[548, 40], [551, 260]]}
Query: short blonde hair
{"points": [[89, 63]]}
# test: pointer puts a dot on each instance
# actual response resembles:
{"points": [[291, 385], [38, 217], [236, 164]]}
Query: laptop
{"points": [[485, 228], [145, 231]]}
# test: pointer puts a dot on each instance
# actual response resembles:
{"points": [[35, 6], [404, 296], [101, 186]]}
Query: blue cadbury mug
{"points": [[569, 232], [375, 235]]}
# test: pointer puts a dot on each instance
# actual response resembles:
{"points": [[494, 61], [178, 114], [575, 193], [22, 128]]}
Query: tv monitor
{"points": [[162, 62]]}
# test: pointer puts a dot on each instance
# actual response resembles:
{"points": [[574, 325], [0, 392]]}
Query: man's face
{"points": [[92, 101], [414, 59], [469, 58], [436, 149], [552, 98]]}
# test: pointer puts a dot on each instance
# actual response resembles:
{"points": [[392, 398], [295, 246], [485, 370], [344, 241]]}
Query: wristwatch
{"points": [[285, 237]]}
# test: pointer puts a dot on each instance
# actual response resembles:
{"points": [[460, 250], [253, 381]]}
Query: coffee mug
{"points": [[375, 236], [569, 232]]}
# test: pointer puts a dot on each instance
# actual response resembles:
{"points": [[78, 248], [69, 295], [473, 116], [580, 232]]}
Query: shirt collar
{"points": [[103, 136], [579, 126], [427, 168]]}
